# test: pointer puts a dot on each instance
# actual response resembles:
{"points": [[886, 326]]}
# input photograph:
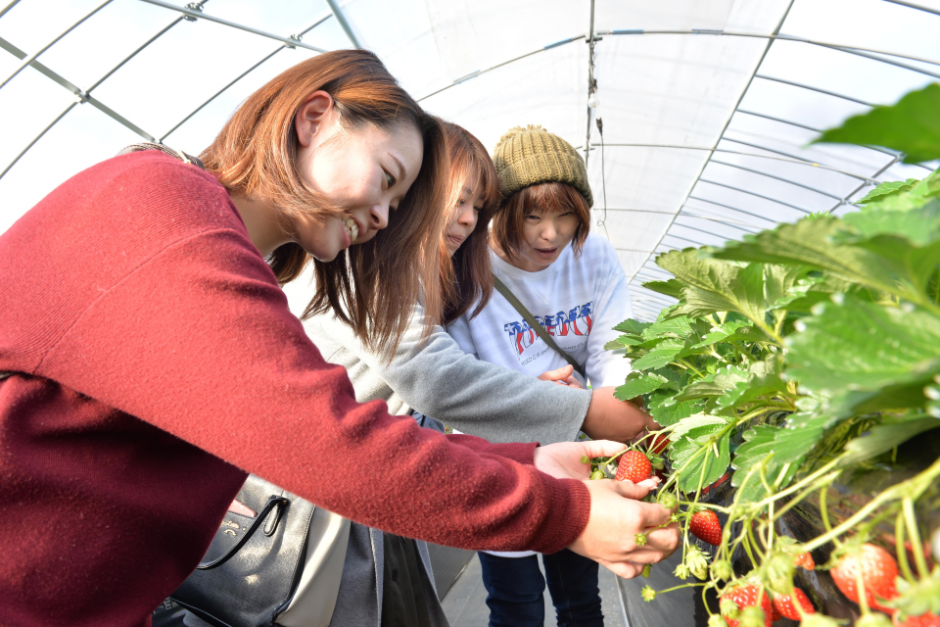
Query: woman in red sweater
{"points": [[154, 360]]}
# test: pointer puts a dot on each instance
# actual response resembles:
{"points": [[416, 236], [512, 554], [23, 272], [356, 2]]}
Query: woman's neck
{"points": [[260, 219]]}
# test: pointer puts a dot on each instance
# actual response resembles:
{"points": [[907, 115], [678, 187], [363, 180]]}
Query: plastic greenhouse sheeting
{"points": [[707, 107]]}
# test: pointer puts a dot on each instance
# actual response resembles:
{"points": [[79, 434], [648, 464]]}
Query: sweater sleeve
{"points": [[611, 307], [198, 340], [440, 380]]}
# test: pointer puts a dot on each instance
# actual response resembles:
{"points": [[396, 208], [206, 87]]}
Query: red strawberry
{"points": [[775, 614], [878, 570], [786, 604], [746, 596], [705, 526], [805, 560], [634, 466], [658, 444], [924, 620]]}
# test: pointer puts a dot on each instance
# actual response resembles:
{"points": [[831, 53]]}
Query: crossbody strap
{"points": [[542, 333]]}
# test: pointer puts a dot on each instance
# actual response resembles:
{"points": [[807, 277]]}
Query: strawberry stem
{"points": [[908, 505], [900, 549]]}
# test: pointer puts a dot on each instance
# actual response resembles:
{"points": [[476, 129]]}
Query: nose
{"points": [[467, 216], [378, 216], [549, 232]]}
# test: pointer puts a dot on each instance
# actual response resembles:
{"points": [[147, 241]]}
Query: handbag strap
{"points": [[273, 502], [539, 329]]}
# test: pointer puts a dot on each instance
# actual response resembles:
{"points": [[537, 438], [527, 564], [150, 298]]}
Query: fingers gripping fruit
{"points": [[704, 525], [878, 572], [747, 596], [634, 466], [786, 604]]}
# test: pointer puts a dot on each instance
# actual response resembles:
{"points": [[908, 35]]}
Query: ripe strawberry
{"points": [[705, 526], [746, 596], [775, 614], [805, 560], [634, 466], [924, 620], [878, 571], [658, 444], [786, 604]]}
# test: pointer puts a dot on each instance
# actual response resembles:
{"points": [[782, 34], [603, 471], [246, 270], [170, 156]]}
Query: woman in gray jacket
{"points": [[434, 377]]}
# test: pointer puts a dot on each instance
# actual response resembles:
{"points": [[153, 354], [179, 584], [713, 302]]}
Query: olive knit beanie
{"points": [[531, 155]]}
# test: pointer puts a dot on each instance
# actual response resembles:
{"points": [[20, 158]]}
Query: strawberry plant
{"points": [[800, 360]]}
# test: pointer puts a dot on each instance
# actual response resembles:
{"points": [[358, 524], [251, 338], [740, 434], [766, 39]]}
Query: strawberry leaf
{"points": [[639, 383], [866, 355], [910, 126]]}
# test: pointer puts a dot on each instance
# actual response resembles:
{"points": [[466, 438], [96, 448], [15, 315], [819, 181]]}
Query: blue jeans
{"points": [[515, 588]]}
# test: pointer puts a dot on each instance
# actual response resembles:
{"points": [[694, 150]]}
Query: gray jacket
{"points": [[440, 380]]}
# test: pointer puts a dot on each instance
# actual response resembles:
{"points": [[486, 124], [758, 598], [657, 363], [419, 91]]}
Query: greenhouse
{"points": [[762, 175]]}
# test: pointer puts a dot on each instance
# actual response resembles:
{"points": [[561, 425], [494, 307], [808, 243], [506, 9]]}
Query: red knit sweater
{"points": [[161, 364]]}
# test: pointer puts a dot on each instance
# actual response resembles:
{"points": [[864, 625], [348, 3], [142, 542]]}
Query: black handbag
{"points": [[253, 566]]}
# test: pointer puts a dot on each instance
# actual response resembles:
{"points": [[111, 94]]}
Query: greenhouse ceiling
{"points": [[707, 106]]}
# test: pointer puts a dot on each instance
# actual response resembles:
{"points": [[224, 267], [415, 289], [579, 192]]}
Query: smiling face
{"points": [[466, 213], [363, 170]]}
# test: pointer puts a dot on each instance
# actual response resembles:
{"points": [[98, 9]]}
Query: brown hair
{"points": [[509, 221], [471, 278], [373, 286]]}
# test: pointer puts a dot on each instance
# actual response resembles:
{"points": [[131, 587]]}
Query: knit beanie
{"points": [[531, 155]]}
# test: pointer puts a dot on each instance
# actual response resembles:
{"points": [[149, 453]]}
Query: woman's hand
{"points": [[562, 376], [563, 460], [617, 516], [611, 419]]}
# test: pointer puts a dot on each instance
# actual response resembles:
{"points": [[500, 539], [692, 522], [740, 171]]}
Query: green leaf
{"points": [[664, 353], [639, 383], [879, 262], [668, 413], [786, 447], [779, 279], [911, 126], [920, 226], [888, 189], [668, 327], [707, 467], [714, 384], [866, 355], [698, 421], [672, 287], [882, 438], [713, 285], [632, 326]]}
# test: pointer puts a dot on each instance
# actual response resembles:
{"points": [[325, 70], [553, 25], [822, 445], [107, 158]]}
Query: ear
{"points": [[314, 116]]}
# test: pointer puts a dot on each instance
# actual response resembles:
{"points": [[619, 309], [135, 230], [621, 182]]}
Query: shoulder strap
{"points": [[542, 333], [178, 154]]}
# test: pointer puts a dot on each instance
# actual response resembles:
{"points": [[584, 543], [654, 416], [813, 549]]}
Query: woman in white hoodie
{"points": [[572, 286]]}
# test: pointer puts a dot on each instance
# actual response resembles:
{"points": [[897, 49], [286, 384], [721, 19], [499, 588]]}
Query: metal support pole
{"points": [[198, 15], [744, 191], [592, 84], [29, 59], [338, 14]]}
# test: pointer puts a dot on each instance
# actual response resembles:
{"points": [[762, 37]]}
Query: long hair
{"points": [[471, 278], [509, 221], [372, 286]]}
